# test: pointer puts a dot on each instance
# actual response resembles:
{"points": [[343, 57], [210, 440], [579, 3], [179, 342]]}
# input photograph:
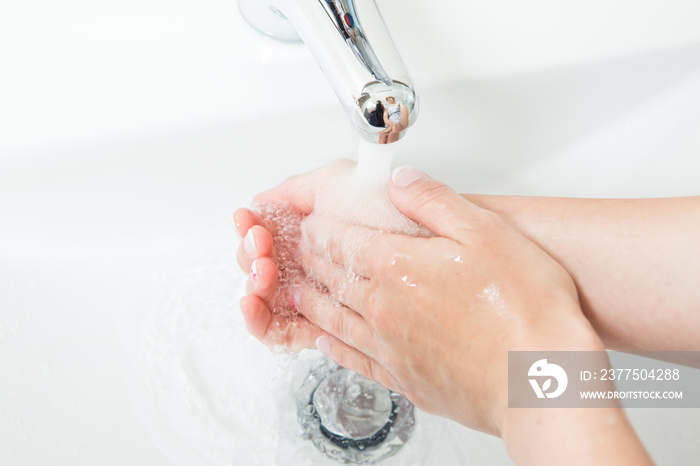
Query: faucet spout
{"points": [[352, 45], [343, 14]]}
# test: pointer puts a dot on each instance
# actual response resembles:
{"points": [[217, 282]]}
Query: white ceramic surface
{"points": [[130, 131]]}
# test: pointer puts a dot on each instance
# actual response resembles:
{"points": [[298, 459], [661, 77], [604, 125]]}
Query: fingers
{"points": [[432, 204], [256, 243], [263, 278], [254, 257], [360, 250], [243, 219], [349, 289], [347, 325], [355, 360], [276, 330]]}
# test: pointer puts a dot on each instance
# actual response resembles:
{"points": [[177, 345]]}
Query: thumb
{"points": [[431, 203]]}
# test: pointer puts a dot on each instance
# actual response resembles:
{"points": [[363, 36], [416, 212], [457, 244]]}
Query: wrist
{"points": [[567, 330], [601, 436], [542, 436]]}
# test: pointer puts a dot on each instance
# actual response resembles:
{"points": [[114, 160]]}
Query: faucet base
{"points": [[268, 21]]}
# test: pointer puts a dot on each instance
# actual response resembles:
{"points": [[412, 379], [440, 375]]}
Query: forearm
{"points": [[572, 436], [636, 263]]}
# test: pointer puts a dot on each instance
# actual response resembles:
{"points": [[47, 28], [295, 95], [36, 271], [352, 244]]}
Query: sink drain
{"points": [[351, 418]]}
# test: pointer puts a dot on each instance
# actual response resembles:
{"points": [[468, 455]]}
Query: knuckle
{"points": [[483, 228], [431, 193], [341, 326], [488, 220], [367, 368]]}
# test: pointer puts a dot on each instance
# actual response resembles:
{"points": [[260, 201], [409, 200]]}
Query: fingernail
{"points": [[403, 176], [254, 271], [295, 297], [249, 243], [323, 343], [235, 226]]}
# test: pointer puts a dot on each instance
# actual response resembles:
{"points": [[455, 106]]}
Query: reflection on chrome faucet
{"points": [[392, 110], [362, 73], [396, 119], [393, 118], [376, 115]]}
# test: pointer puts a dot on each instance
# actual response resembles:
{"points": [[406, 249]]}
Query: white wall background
{"points": [[78, 70]]}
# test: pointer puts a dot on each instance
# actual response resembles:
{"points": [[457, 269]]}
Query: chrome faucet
{"points": [[353, 47]]}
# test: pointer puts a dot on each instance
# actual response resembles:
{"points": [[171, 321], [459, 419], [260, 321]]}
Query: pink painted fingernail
{"points": [[323, 343], [249, 243], [254, 271]]}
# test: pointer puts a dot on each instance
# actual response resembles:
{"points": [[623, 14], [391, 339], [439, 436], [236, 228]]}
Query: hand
{"points": [[257, 255], [391, 128], [434, 318]]}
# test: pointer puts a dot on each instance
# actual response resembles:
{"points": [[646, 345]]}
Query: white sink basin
{"points": [[129, 133]]}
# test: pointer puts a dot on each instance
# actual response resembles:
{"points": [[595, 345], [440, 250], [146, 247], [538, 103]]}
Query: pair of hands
{"points": [[430, 318]]}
